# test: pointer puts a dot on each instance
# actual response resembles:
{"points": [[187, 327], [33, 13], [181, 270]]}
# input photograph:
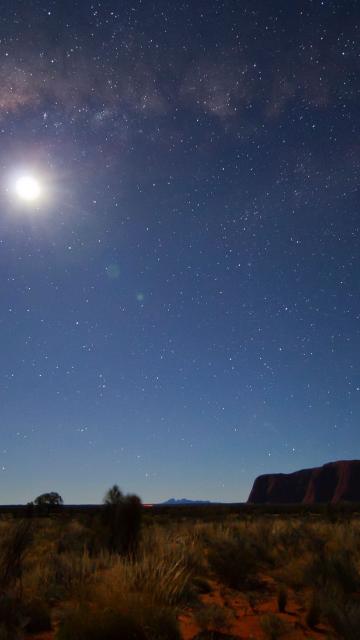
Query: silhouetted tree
{"points": [[52, 499], [122, 521], [47, 502], [30, 507], [114, 496]]}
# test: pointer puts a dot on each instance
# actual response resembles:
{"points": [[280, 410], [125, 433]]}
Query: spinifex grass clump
{"points": [[235, 562], [12, 620], [273, 627], [13, 548], [333, 570], [140, 589], [37, 616], [71, 575], [163, 576], [84, 624], [344, 617], [136, 621]]}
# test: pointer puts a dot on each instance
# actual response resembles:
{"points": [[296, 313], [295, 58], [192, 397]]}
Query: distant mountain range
{"points": [[174, 501], [333, 482]]}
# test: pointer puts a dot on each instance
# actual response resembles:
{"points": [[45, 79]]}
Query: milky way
{"points": [[182, 313]]}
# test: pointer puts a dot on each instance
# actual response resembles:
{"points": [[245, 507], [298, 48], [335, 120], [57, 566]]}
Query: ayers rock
{"points": [[333, 482]]}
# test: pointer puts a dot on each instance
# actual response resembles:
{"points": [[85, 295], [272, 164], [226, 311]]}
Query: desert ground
{"points": [[258, 576]]}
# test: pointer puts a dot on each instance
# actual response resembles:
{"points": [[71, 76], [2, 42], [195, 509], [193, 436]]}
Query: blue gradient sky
{"points": [[181, 312]]}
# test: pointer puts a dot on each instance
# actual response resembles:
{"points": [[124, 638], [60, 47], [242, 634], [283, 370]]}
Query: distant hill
{"points": [[174, 501], [333, 482]]}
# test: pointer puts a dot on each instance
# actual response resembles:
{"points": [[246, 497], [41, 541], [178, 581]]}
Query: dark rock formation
{"points": [[334, 482]]}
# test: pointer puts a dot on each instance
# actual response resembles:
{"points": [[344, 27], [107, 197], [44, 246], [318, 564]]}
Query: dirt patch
{"points": [[244, 613]]}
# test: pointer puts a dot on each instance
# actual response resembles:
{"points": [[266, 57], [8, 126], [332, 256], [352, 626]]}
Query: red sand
{"points": [[245, 618], [245, 614]]}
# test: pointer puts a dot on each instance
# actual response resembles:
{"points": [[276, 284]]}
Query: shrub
{"points": [[13, 550], [282, 598], [344, 617], [273, 628], [6, 634], [313, 612], [165, 579], [289, 537], [159, 622], [70, 576], [261, 537], [122, 518], [11, 618], [38, 616], [212, 616], [336, 570], [234, 562], [139, 623], [84, 624], [74, 538]]}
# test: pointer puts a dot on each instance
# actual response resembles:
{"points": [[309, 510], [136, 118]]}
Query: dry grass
{"points": [[273, 627], [49, 562]]}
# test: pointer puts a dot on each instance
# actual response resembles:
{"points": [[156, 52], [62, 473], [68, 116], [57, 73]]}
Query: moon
{"points": [[28, 188]]}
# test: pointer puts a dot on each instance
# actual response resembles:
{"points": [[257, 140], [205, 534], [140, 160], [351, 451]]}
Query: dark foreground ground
{"points": [[180, 572]]}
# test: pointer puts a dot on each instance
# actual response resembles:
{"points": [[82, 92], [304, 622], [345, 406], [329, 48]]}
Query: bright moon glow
{"points": [[28, 188]]}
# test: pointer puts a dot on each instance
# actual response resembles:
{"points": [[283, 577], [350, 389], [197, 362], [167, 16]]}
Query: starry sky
{"points": [[180, 308]]}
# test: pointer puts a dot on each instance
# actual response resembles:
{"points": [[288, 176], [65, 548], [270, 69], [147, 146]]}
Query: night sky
{"points": [[180, 304]]}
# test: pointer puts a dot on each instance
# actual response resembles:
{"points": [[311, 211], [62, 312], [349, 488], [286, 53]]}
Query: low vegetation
{"points": [[125, 572], [273, 627]]}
